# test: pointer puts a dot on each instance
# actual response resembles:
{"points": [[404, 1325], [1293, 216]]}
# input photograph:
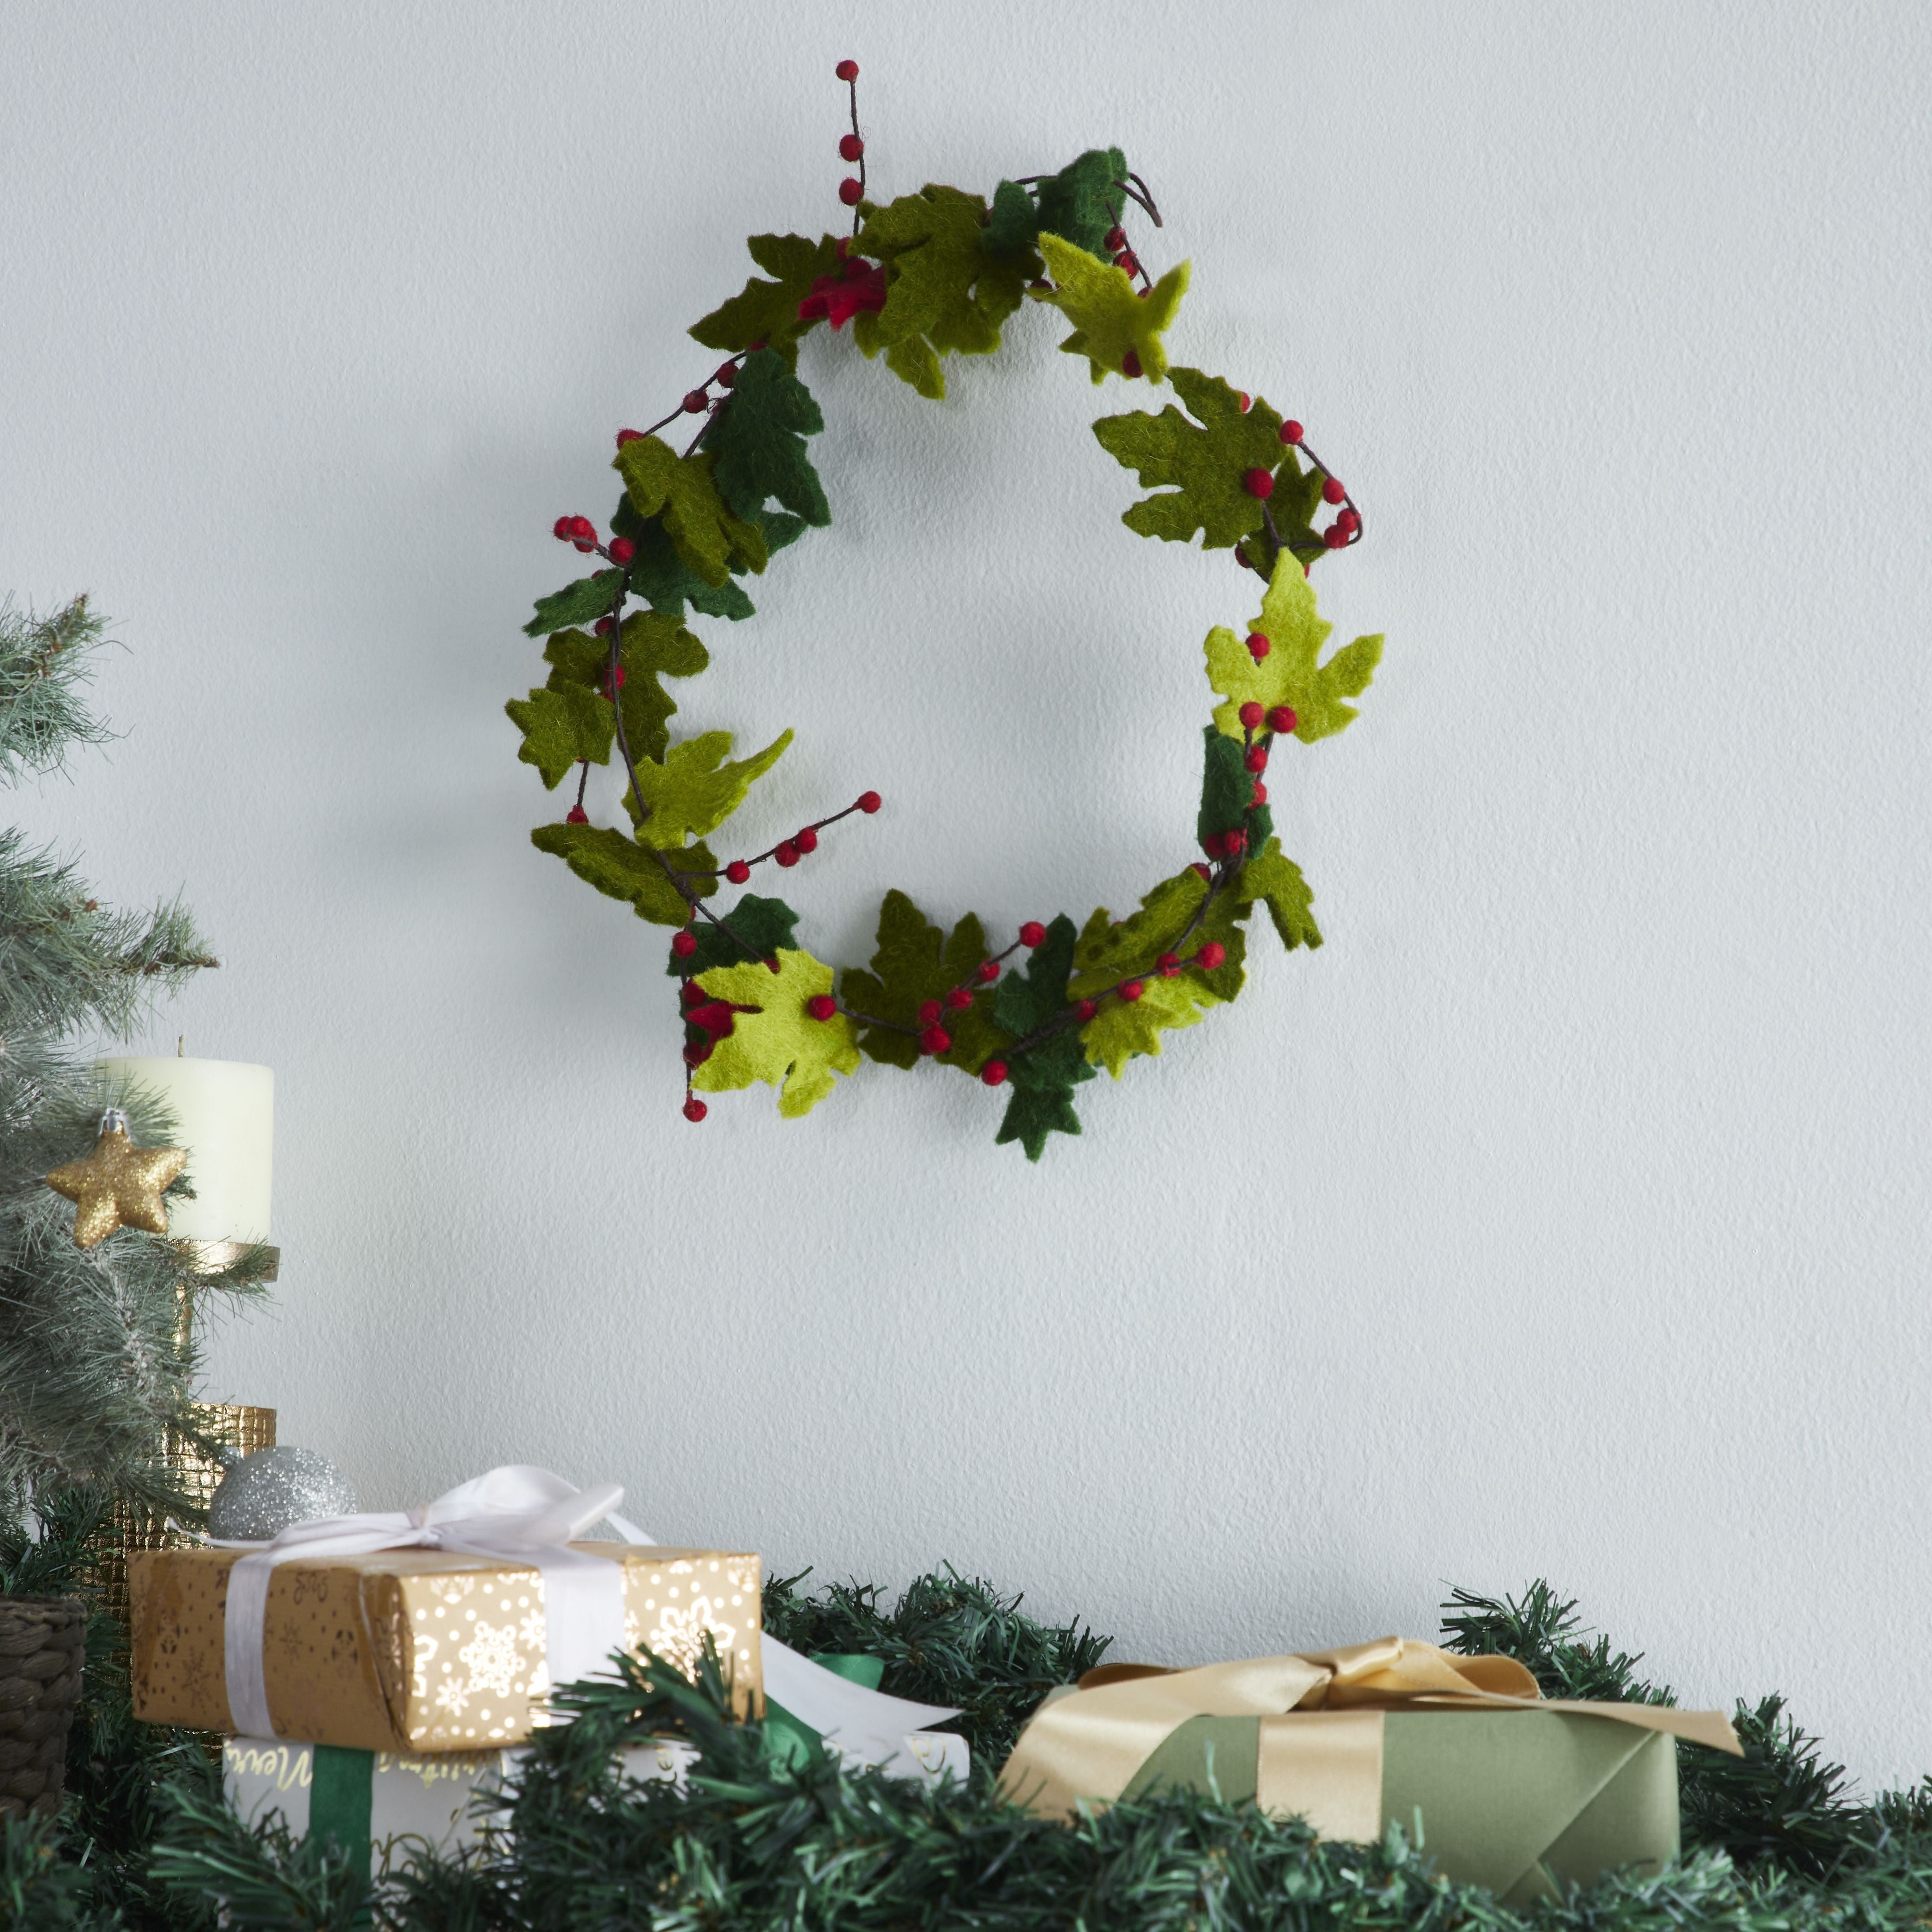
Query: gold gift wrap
{"points": [[418, 1650]]}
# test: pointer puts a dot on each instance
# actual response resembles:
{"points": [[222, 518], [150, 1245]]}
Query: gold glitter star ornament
{"points": [[118, 1185]]}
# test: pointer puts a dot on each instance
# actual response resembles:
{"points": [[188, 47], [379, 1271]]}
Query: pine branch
{"points": [[44, 661]]}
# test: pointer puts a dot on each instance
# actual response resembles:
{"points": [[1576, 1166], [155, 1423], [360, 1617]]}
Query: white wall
{"points": [[1564, 1215]]}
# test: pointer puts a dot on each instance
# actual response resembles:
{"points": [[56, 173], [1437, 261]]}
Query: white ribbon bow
{"points": [[519, 1513]]}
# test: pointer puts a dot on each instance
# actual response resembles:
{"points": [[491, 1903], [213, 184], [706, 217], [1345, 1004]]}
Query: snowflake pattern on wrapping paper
{"points": [[533, 1630], [679, 1637], [493, 1659], [452, 1695]]}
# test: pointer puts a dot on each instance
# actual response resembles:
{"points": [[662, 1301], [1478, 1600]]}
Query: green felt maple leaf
{"points": [[1273, 879], [946, 292], [696, 788], [1081, 203], [582, 602], [666, 583], [778, 1043], [709, 536], [1110, 321], [1290, 673], [760, 929], [1227, 786], [1042, 1082], [622, 869], [571, 719], [1122, 1028], [1207, 460], [767, 312], [915, 961], [758, 438]]}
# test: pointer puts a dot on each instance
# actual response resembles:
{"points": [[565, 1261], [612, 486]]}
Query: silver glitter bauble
{"points": [[263, 1493]]}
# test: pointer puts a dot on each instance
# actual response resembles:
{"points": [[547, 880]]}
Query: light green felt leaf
{"points": [[780, 1043], [621, 868], [561, 727], [1290, 673], [915, 961], [1109, 951], [694, 790], [1276, 879], [1122, 1028], [1206, 460], [767, 312], [946, 293], [1108, 318], [708, 536], [758, 438]]}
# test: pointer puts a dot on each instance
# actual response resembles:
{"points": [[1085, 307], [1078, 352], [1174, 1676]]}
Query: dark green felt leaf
{"points": [[1276, 879], [663, 579], [915, 961], [1080, 203], [620, 867], [764, 924], [1207, 459], [1025, 1002], [767, 312], [758, 438], [582, 602], [1042, 1082], [1226, 786], [709, 536], [1015, 221]]}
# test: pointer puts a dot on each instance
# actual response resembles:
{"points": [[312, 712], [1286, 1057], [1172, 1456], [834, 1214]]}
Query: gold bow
{"points": [[1324, 1761]]}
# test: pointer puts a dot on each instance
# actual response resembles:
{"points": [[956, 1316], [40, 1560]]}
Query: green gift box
{"points": [[1500, 1787]]}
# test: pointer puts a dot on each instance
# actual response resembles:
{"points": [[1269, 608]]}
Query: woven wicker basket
{"points": [[43, 1645]]}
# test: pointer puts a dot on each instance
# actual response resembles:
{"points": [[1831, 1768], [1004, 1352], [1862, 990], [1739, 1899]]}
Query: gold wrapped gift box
{"points": [[418, 1650]]}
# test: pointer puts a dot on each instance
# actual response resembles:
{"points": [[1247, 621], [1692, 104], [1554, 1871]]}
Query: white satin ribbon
{"points": [[517, 1514], [865, 1724]]}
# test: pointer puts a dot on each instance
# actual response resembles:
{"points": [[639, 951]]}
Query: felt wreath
{"points": [[921, 278]]}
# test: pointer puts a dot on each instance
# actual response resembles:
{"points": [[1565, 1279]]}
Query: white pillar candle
{"points": [[224, 1114]]}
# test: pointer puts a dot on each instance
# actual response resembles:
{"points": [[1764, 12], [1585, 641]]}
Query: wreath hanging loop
{"points": [[920, 278]]}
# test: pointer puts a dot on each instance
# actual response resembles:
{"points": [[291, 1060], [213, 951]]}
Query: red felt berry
{"points": [[989, 970], [1169, 964], [1088, 1009], [1211, 954], [1256, 758], [1247, 402], [622, 550], [694, 995], [1351, 520], [684, 942], [727, 374], [1251, 714], [934, 1040], [582, 527], [624, 435], [584, 544], [604, 627], [958, 999], [1291, 431], [696, 1052], [928, 1013], [1133, 990], [821, 1006], [787, 855], [806, 839], [846, 69], [694, 401], [1215, 844], [850, 189], [1335, 536], [694, 1109], [1241, 556], [1258, 646], [851, 147], [1332, 491], [1032, 934], [1115, 239], [1130, 364], [1128, 260], [1281, 719], [869, 801], [577, 815], [1259, 483], [771, 964], [737, 871], [564, 528], [1259, 796], [621, 675], [1233, 842], [994, 1073], [1203, 871]]}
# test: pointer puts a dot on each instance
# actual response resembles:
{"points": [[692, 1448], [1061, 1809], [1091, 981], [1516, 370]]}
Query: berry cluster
{"points": [[1346, 528], [852, 146]]}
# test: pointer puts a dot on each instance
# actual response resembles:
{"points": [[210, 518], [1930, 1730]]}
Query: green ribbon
{"points": [[789, 1739], [340, 1795]]}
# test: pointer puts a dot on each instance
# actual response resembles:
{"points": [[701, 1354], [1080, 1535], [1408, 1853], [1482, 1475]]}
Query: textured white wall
{"points": [[1565, 1215]]}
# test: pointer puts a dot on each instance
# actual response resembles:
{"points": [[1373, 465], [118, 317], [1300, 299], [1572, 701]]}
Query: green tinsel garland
{"points": [[1771, 1843]]}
